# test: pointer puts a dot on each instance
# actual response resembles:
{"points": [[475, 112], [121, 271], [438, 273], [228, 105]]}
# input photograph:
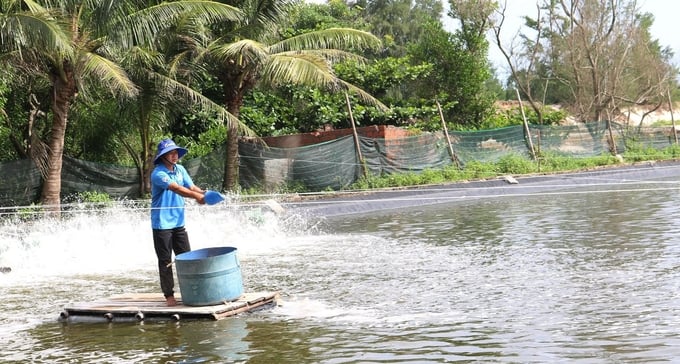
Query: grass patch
{"points": [[513, 164]]}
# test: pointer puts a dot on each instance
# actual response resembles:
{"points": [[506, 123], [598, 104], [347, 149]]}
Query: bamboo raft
{"points": [[141, 306]]}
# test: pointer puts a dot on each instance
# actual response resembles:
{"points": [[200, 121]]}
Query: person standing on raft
{"points": [[170, 184]]}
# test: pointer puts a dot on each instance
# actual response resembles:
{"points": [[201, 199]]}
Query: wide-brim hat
{"points": [[167, 145]]}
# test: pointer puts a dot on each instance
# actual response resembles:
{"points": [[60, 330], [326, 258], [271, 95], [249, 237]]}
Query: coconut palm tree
{"points": [[74, 44], [247, 54], [163, 83]]}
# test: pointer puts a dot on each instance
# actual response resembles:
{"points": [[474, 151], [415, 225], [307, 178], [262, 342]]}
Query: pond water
{"points": [[587, 276]]}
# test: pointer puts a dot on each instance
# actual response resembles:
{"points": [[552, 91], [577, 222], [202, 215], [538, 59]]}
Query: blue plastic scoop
{"points": [[213, 197]]}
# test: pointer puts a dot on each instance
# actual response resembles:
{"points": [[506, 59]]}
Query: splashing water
{"points": [[118, 239]]}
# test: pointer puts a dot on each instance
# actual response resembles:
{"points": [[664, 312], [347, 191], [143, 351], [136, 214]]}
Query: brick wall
{"points": [[301, 140]]}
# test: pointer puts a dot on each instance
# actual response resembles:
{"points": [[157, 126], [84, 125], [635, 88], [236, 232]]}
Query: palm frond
{"points": [[44, 34], [192, 97], [142, 26], [263, 12], [363, 95], [108, 73], [145, 58], [311, 69], [242, 52], [177, 64], [332, 38], [331, 55], [262, 18], [299, 69]]}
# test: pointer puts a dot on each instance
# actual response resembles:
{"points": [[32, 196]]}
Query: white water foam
{"points": [[118, 240]]}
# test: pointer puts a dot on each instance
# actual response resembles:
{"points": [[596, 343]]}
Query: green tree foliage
{"points": [[427, 55], [94, 132], [513, 116], [460, 76], [389, 79], [296, 109], [22, 118], [7, 134], [307, 17], [400, 22]]}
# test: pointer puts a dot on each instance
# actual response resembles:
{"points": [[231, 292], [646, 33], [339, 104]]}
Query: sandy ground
{"points": [[632, 116], [635, 116]]}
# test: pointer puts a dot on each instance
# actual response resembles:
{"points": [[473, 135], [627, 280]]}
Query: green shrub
{"points": [[516, 164], [87, 199], [32, 212], [477, 169], [636, 152]]}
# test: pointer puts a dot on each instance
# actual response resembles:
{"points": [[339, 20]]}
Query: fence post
{"points": [[526, 126], [670, 106], [356, 137], [453, 155], [611, 136]]}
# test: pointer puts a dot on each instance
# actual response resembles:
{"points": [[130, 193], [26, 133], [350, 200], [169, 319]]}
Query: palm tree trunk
{"points": [[231, 165], [233, 102], [63, 91], [147, 154], [147, 168]]}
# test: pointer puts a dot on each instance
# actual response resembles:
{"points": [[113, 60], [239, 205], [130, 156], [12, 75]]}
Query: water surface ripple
{"points": [[579, 278]]}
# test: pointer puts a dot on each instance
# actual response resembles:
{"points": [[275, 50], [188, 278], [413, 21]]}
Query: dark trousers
{"points": [[166, 242]]}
